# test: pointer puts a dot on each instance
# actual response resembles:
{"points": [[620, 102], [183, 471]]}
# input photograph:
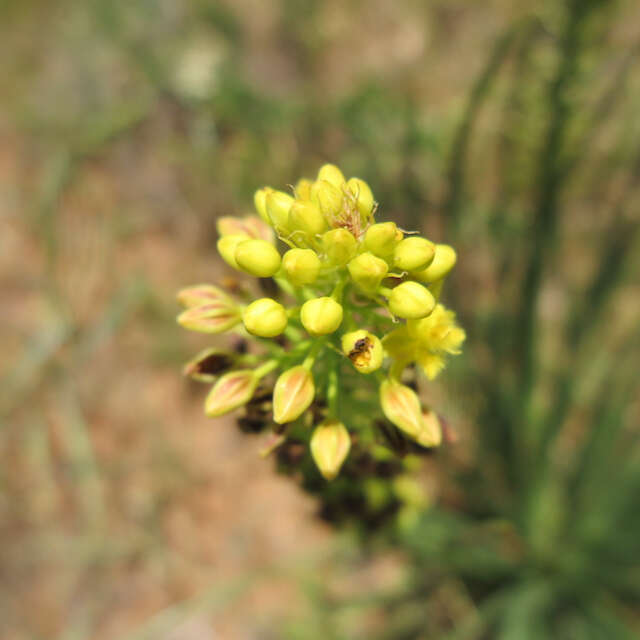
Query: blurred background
{"points": [[509, 129]]}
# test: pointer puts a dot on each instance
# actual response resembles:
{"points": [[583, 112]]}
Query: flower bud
{"points": [[215, 317], [331, 174], [230, 392], [227, 248], [339, 246], [330, 444], [265, 318], [292, 395], [257, 257], [381, 238], [277, 205], [321, 316], [411, 300], [260, 202], [443, 261], [301, 266], [367, 271], [303, 189], [363, 195], [209, 364], [200, 294], [430, 435], [307, 217], [401, 406], [413, 254], [328, 197], [251, 226], [363, 349]]}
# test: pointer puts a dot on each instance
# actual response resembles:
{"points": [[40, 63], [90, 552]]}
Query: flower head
{"points": [[352, 302]]}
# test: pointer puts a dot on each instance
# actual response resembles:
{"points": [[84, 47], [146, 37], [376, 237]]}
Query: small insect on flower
{"points": [[352, 303]]}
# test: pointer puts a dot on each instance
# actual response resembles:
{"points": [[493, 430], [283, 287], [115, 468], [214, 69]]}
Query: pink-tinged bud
{"points": [[215, 317], [330, 444], [292, 395], [401, 406], [209, 364], [251, 226], [230, 392], [431, 433], [199, 294]]}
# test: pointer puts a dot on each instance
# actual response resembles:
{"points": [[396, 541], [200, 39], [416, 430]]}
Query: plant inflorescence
{"points": [[353, 309]]}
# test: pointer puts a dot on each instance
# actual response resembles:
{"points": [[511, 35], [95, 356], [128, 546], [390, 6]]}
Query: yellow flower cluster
{"points": [[349, 285]]}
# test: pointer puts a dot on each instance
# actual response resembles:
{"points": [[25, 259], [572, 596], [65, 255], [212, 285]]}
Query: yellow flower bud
{"points": [[292, 394], [260, 202], [230, 392], [265, 318], [257, 257], [307, 217], [227, 248], [332, 175], [401, 406], [339, 246], [330, 444], [301, 266], [430, 435], [411, 300], [328, 197], [381, 238], [368, 271], [277, 205], [364, 197], [303, 189], [209, 364], [200, 294], [321, 316], [443, 261], [363, 349], [413, 254], [214, 317]]}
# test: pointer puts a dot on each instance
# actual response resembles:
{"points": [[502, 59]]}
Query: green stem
{"points": [[332, 391], [313, 352], [266, 368]]}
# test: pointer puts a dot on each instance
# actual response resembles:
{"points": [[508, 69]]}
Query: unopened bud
{"points": [[306, 216], [321, 316], [227, 248], [277, 204], [363, 349], [413, 254], [292, 394], [430, 435], [328, 197], [339, 246], [215, 317], [443, 261], [209, 364], [364, 197], [411, 300], [230, 392], [331, 174], [200, 294], [368, 271], [330, 444], [381, 238], [301, 266], [303, 189], [257, 257], [401, 406], [265, 318], [251, 226], [260, 202]]}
